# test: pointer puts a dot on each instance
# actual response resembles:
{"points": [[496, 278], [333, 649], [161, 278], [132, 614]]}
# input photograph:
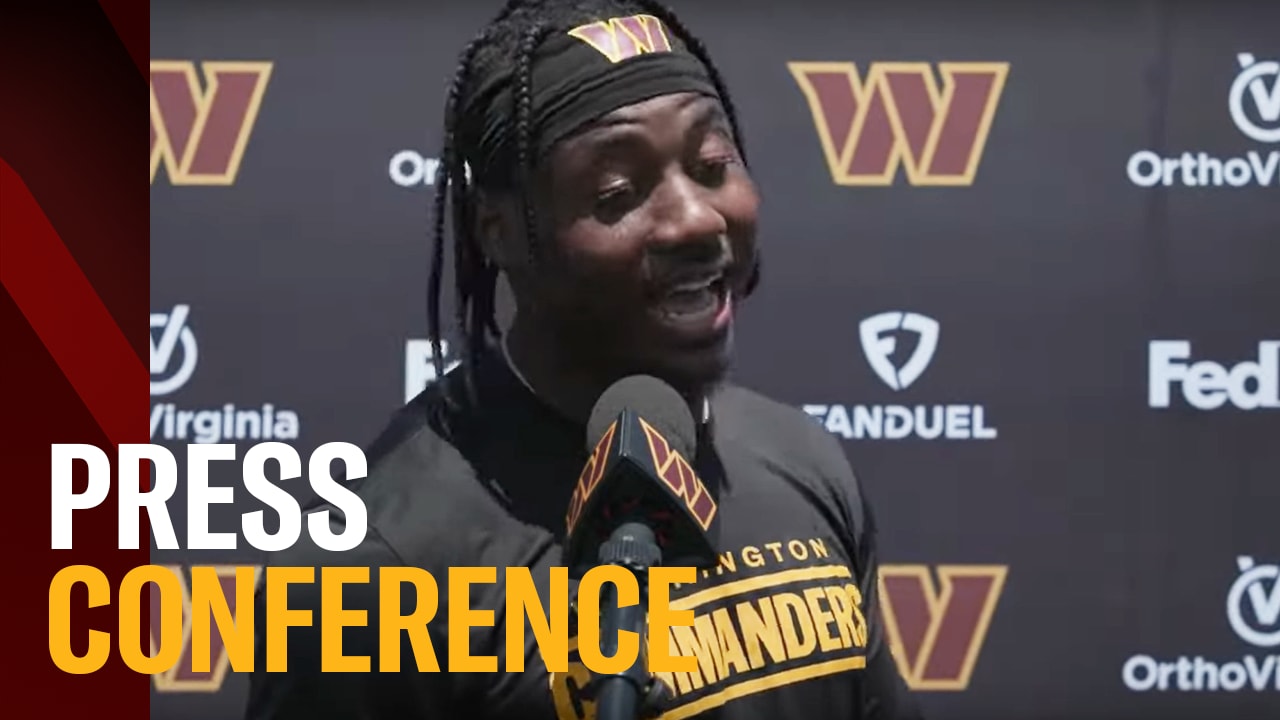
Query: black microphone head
{"points": [[652, 399], [641, 442]]}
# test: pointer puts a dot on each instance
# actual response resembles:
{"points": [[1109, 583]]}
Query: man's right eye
{"points": [[615, 200]]}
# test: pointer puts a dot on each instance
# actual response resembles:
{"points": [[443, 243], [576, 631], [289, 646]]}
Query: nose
{"points": [[686, 218]]}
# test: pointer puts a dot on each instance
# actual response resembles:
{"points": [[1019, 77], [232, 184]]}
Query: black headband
{"points": [[577, 76]]}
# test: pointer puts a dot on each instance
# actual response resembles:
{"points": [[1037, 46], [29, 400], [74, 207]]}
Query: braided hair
{"points": [[508, 43]]}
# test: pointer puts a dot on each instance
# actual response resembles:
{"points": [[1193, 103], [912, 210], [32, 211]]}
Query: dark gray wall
{"points": [[1121, 527]]}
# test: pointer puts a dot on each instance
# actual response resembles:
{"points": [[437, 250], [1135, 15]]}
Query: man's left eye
{"points": [[711, 171]]}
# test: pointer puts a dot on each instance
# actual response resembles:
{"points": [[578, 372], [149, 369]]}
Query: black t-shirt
{"points": [[787, 626]]}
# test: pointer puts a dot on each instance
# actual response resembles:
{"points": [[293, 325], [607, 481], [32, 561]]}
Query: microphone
{"points": [[637, 502]]}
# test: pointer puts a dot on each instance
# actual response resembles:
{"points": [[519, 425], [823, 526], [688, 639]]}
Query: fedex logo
{"points": [[1207, 385]]}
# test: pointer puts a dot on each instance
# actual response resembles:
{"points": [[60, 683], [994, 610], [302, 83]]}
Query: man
{"points": [[592, 157]]}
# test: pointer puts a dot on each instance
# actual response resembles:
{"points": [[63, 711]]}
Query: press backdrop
{"points": [[1035, 221]]}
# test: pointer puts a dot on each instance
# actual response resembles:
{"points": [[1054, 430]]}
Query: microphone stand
{"points": [[631, 694]]}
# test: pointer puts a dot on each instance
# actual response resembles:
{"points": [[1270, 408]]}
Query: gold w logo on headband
{"points": [[624, 37]]}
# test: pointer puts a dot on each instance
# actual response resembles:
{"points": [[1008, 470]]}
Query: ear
{"points": [[497, 228]]}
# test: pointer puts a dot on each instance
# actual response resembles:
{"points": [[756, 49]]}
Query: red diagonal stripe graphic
{"points": [[63, 309], [129, 18]]}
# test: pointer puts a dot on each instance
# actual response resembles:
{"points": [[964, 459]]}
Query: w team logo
{"points": [[898, 115], [879, 345], [1253, 603], [623, 38], [200, 134], [936, 630], [1254, 100]]}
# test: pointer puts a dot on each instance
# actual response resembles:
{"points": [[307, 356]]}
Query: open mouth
{"points": [[695, 299]]}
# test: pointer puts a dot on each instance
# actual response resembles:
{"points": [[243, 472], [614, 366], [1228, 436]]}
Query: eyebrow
{"points": [[712, 113]]}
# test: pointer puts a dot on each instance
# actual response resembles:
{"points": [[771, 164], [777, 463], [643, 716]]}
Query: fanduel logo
{"points": [[1207, 385], [420, 368], [878, 345], [880, 337], [174, 355], [1253, 613], [1253, 103]]}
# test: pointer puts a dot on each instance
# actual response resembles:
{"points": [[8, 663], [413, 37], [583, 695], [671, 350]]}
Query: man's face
{"points": [[654, 219]]}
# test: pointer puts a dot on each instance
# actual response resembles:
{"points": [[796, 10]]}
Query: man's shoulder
{"points": [[419, 490], [747, 415], [790, 442]]}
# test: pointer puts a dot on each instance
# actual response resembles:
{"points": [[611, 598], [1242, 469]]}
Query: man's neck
{"points": [[556, 380]]}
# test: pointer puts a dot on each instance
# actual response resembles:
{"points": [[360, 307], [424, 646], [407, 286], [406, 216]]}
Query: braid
{"points": [[524, 131], [450, 174], [451, 183]]}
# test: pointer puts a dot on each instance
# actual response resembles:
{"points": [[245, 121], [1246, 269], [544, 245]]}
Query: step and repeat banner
{"points": [[1022, 259]]}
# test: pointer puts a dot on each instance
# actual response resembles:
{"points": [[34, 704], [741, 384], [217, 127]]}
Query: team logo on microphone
{"points": [[590, 477], [680, 477]]}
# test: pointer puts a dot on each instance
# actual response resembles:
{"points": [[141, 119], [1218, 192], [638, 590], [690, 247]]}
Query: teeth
{"points": [[694, 286]]}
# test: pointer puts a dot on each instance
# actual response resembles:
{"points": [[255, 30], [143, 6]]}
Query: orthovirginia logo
{"points": [[174, 332], [174, 357], [1253, 613], [1253, 104], [1261, 627], [1251, 83], [200, 135], [880, 336], [897, 115], [409, 168]]}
